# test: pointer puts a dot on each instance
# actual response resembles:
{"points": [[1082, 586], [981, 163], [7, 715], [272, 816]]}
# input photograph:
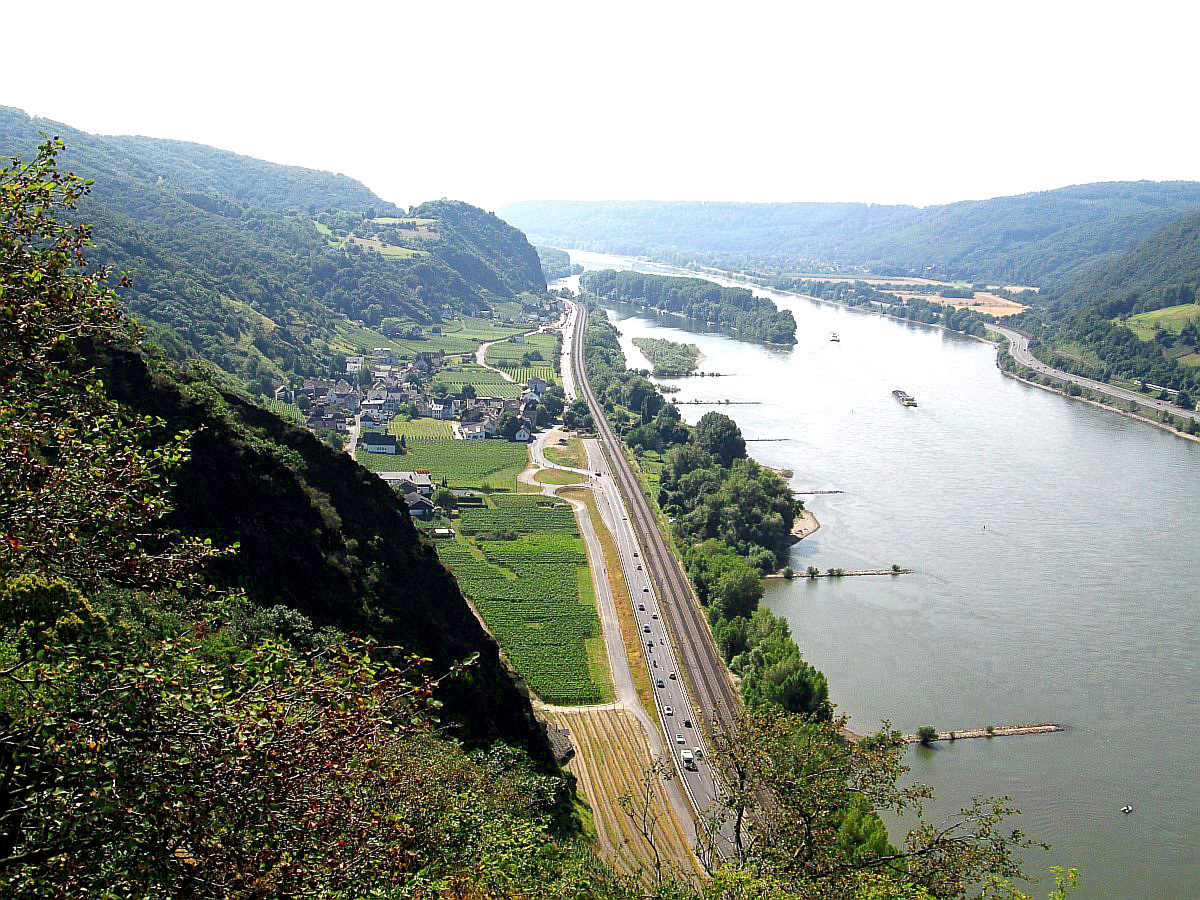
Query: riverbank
{"points": [[1129, 414], [806, 524]]}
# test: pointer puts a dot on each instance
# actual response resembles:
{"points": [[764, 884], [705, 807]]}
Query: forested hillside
{"points": [[1163, 270], [267, 270], [1134, 318], [1028, 239]]}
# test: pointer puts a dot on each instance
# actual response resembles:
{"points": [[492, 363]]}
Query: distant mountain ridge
{"points": [[1030, 238]]}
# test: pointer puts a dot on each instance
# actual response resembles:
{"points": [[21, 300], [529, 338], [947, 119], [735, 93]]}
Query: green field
{"points": [[457, 337], [533, 588], [464, 464], [1170, 318], [521, 376], [507, 355], [486, 382], [410, 429]]}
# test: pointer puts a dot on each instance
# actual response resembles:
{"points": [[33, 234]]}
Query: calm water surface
{"points": [[1057, 559]]}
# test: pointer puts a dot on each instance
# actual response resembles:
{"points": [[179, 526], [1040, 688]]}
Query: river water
{"points": [[1057, 575]]}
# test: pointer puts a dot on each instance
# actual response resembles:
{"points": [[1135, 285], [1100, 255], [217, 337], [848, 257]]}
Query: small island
{"points": [[669, 358]]}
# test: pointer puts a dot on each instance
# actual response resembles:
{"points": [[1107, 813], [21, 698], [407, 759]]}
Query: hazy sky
{"points": [[492, 102]]}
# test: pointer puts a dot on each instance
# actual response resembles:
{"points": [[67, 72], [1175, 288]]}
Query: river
{"points": [[1057, 575]]}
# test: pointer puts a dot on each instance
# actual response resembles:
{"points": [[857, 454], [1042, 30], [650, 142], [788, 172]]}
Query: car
{"points": [[698, 752], [645, 590], [650, 645], [639, 567], [687, 723], [641, 607], [672, 676], [679, 738], [646, 628], [654, 615], [599, 474], [635, 554], [667, 711], [655, 662], [661, 683]]}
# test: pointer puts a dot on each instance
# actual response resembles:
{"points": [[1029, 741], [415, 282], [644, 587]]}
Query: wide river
{"points": [[1056, 551]]}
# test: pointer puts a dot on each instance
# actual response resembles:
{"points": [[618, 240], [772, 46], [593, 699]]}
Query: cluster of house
{"points": [[417, 488], [396, 385]]}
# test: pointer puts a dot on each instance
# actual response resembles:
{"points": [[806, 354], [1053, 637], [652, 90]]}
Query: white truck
{"points": [[689, 759]]}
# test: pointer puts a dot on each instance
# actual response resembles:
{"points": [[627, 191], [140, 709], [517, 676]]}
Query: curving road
{"points": [[1018, 346], [702, 691]]}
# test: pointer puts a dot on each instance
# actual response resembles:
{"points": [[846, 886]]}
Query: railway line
{"points": [[705, 674]]}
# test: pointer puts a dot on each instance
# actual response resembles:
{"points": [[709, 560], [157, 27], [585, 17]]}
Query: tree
{"points": [[507, 426], [468, 391], [1184, 399], [445, 498], [821, 837], [720, 436], [927, 734]]}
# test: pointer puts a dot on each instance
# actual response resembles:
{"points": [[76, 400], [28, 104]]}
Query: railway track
{"points": [[704, 671]]}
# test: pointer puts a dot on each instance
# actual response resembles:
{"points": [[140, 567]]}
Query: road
{"points": [[682, 642], [1018, 345], [618, 660]]}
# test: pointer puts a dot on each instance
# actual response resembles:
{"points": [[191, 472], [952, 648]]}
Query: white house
{"points": [[537, 385], [379, 443], [523, 434], [473, 431], [517, 339], [410, 482], [354, 364]]}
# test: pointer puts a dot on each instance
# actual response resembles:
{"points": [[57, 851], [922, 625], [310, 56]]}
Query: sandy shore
{"points": [[806, 524]]}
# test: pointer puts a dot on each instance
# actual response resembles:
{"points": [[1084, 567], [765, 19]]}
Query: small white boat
{"points": [[1127, 809], [834, 337]]}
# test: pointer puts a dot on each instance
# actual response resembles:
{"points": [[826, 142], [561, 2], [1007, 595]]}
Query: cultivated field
{"points": [[485, 382], [611, 760], [463, 463], [983, 302], [411, 429], [523, 565]]}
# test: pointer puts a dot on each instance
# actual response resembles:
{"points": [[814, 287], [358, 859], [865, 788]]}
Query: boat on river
{"points": [[905, 399], [834, 337]]}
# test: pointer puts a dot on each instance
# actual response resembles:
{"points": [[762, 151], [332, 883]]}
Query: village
{"points": [[397, 401]]}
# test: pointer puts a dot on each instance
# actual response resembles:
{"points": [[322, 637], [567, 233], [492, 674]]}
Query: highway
{"points": [[668, 615], [1018, 345]]}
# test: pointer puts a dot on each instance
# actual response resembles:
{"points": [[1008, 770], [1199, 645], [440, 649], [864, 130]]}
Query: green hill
{"points": [[268, 270], [1031, 238]]}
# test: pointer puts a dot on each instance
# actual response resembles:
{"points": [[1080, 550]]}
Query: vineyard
{"points": [[462, 336], [462, 463], [523, 374], [289, 412], [411, 429], [485, 382], [533, 589], [611, 759], [509, 356]]}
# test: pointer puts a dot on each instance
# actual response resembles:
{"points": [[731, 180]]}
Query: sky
{"points": [[897, 102]]}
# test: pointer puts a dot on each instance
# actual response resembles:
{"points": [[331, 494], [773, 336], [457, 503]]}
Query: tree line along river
{"points": [[1056, 556]]}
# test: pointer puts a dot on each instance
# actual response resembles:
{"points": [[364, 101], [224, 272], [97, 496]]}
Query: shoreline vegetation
{"points": [[735, 308], [671, 359], [698, 475]]}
